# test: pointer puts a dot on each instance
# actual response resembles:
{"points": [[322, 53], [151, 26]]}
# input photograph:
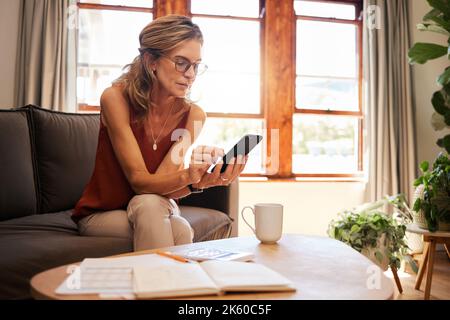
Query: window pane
{"points": [[320, 93], [326, 49], [324, 10], [107, 41], [238, 8], [327, 60], [128, 3], [325, 144], [231, 51], [225, 133]]}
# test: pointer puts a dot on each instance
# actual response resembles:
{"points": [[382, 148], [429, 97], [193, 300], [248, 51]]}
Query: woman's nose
{"points": [[190, 73]]}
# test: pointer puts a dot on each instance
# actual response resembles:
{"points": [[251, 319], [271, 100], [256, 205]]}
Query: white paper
{"points": [[109, 277], [233, 275], [171, 281]]}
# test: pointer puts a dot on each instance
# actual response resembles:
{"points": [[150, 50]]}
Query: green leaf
{"points": [[432, 28], [355, 228], [444, 143], [412, 263], [423, 52], [424, 166], [417, 205], [438, 102], [444, 23], [446, 89], [441, 5], [445, 77], [379, 256], [431, 14], [418, 181], [447, 118], [438, 122]]}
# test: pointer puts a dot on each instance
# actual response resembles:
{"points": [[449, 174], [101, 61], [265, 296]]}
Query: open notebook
{"points": [[206, 278]]}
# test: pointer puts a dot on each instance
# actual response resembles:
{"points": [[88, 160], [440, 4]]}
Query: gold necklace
{"points": [[155, 145]]}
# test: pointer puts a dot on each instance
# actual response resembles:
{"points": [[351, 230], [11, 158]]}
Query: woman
{"points": [[139, 167]]}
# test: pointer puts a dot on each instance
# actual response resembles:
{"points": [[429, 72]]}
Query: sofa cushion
{"points": [[217, 198], [208, 224], [32, 244], [65, 152], [17, 186]]}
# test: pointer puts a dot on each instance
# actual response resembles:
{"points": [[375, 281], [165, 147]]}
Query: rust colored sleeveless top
{"points": [[108, 188]]}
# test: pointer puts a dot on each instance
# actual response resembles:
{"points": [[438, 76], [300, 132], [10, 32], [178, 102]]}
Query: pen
{"points": [[172, 256]]}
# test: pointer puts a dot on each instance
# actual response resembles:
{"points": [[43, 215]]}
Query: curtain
{"points": [[42, 62], [389, 122]]}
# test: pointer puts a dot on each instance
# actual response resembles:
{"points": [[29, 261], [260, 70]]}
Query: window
{"points": [[293, 67], [230, 90], [327, 121], [326, 116], [107, 40]]}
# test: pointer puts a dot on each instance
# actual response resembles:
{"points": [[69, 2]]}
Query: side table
{"points": [[430, 240]]}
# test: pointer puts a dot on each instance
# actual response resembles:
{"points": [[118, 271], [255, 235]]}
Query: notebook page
{"points": [[246, 276], [184, 279], [108, 275]]}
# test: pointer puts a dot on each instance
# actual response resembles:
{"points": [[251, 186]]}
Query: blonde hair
{"points": [[158, 38]]}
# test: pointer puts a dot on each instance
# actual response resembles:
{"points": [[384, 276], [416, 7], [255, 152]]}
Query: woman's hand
{"points": [[215, 178], [201, 159]]}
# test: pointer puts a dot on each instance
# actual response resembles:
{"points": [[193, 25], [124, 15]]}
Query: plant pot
{"points": [[369, 252], [419, 217], [415, 242]]}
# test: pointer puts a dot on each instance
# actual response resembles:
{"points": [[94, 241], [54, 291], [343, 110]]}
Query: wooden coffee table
{"points": [[320, 268]]}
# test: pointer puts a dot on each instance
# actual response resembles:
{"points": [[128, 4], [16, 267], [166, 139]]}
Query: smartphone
{"points": [[243, 147]]}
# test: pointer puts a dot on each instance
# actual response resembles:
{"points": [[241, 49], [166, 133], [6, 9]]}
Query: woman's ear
{"points": [[149, 60]]}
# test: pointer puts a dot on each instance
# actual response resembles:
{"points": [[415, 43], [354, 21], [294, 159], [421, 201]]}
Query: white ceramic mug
{"points": [[268, 221]]}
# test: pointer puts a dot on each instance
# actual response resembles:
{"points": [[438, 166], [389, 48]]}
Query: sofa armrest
{"points": [[224, 199]]}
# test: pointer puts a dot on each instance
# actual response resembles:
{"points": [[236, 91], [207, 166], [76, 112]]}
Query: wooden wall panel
{"points": [[279, 82], [165, 7]]}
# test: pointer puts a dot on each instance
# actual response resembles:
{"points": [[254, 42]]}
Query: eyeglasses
{"points": [[183, 65]]}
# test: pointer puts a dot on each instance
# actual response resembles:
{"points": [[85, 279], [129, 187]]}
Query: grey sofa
{"points": [[46, 159]]}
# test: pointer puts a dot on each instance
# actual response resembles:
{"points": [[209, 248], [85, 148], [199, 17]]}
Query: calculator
{"points": [[202, 254]]}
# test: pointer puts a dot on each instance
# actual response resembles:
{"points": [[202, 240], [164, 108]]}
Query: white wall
{"points": [[308, 206], [9, 24], [424, 84]]}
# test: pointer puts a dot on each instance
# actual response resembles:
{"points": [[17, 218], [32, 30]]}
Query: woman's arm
{"points": [[115, 116], [194, 125], [179, 194]]}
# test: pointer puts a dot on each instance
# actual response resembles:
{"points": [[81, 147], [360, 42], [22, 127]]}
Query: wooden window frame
{"points": [[357, 114], [278, 57]]}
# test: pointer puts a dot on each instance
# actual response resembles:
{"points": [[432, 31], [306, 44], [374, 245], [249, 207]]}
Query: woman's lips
{"points": [[184, 86]]}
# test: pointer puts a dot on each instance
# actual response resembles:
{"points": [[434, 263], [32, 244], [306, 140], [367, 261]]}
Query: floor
{"points": [[440, 287]]}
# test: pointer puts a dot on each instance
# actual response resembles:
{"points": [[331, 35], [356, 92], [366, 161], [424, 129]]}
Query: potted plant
{"points": [[406, 215], [433, 203], [437, 20], [372, 232]]}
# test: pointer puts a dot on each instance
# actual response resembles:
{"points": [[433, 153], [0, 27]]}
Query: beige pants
{"points": [[151, 221]]}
